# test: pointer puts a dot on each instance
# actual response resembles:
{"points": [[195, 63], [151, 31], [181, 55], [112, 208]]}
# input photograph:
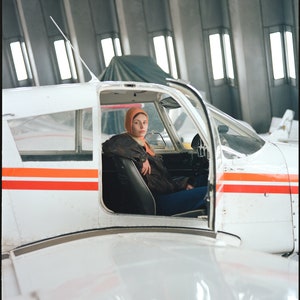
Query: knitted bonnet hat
{"points": [[131, 113]]}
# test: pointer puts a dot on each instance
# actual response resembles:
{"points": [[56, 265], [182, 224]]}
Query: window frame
{"points": [[117, 47], [290, 79], [281, 29], [226, 79], [170, 52], [79, 152], [24, 82], [71, 61]]}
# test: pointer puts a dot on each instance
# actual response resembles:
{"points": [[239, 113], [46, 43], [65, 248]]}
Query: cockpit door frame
{"points": [[212, 194]]}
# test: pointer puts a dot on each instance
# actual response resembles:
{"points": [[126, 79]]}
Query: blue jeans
{"points": [[182, 201]]}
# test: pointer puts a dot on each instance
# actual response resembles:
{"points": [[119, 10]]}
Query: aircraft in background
{"points": [[283, 129]]}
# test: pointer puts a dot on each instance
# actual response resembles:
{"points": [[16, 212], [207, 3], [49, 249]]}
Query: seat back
{"points": [[134, 186]]}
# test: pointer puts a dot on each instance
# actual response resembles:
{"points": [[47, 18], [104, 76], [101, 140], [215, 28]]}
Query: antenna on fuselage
{"points": [[94, 78]]}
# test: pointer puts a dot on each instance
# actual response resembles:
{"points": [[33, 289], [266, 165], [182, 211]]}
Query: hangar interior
{"points": [[243, 54]]}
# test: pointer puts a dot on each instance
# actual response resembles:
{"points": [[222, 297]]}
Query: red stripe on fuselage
{"points": [[49, 185]]}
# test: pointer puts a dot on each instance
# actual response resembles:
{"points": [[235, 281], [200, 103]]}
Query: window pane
{"points": [[228, 57], [112, 122], [87, 130], [112, 119], [216, 56], [183, 124], [18, 60], [290, 54], [45, 132], [26, 59], [277, 55], [161, 53], [62, 59], [236, 142], [108, 50], [71, 60], [118, 46], [172, 57]]}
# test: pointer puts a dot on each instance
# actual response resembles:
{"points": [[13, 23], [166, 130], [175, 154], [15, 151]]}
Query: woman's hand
{"points": [[146, 169], [189, 187]]}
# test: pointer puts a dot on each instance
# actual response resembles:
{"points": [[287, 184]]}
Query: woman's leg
{"points": [[182, 201]]}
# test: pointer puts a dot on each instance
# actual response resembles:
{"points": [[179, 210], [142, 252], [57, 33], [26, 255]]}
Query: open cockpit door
{"points": [[207, 141]]}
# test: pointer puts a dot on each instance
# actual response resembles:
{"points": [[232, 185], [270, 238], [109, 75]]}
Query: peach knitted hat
{"points": [[131, 113]]}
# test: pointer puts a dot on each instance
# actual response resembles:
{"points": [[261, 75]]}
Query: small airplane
{"points": [[283, 129], [65, 211], [56, 181]]}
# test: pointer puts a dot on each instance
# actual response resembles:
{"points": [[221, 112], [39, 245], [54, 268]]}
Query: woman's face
{"points": [[139, 125]]}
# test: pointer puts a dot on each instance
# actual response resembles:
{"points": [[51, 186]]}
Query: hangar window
{"points": [[290, 54], [110, 47], [165, 54], [282, 54], [20, 60], [216, 56], [277, 55], [228, 56], [65, 60], [221, 56]]}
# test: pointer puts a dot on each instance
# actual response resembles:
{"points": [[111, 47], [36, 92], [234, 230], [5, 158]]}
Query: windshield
{"points": [[236, 139]]}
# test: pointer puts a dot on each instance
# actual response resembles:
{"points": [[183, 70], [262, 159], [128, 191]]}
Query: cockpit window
{"points": [[237, 141], [57, 136], [45, 132], [112, 123], [184, 127]]}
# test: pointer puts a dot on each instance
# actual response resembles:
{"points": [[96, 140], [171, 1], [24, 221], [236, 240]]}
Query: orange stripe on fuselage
{"points": [[259, 177], [245, 188], [49, 185], [47, 172]]}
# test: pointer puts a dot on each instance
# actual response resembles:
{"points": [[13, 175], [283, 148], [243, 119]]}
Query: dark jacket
{"points": [[159, 181]]}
